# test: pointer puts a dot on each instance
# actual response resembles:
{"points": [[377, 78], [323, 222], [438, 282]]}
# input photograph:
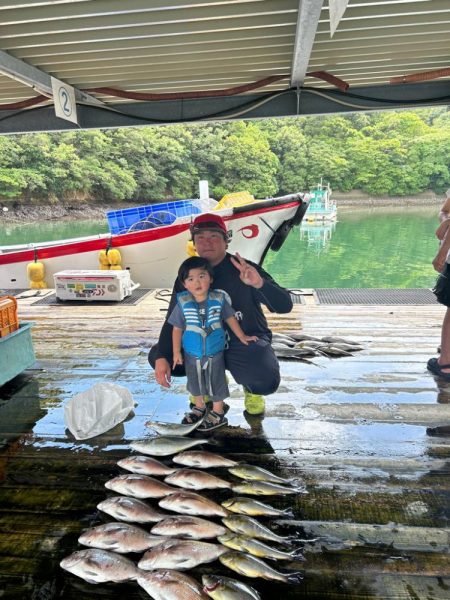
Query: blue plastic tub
{"points": [[149, 216], [16, 353]]}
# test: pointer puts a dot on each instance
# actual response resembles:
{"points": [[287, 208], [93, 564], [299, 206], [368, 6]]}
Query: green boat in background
{"points": [[321, 206]]}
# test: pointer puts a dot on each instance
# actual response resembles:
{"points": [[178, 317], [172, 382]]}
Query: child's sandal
{"points": [[194, 415], [213, 420]]}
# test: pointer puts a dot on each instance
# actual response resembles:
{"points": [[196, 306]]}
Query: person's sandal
{"points": [[435, 368], [213, 420], [193, 416]]}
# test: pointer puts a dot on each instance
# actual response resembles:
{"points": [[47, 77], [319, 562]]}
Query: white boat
{"points": [[321, 206], [153, 255]]}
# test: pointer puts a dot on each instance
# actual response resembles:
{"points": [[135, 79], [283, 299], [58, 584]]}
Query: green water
{"points": [[371, 248]]}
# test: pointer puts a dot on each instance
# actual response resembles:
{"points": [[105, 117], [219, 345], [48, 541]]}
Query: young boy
{"points": [[197, 321]]}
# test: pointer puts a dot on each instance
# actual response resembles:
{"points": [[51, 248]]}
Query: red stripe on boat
{"points": [[118, 241]]}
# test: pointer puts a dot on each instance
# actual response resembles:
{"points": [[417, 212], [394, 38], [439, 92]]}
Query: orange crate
{"points": [[9, 320]]}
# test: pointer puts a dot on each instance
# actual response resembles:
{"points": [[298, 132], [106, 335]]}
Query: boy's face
{"points": [[197, 283]]}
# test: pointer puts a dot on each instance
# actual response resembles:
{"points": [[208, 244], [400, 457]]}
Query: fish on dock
{"points": [[254, 473], [181, 555], [203, 459], [145, 465], [139, 486], [219, 587], [100, 566], [119, 537], [167, 584], [177, 429], [252, 528], [254, 508], [166, 445], [251, 566], [190, 503], [265, 488], [257, 548], [130, 510], [187, 526], [193, 479]]}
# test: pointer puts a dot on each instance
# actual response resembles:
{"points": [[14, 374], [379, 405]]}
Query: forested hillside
{"points": [[386, 153]]}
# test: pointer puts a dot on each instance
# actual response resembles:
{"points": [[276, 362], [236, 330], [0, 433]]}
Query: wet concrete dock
{"points": [[369, 434]]}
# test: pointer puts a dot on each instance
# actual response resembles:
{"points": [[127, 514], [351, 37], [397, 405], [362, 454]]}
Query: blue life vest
{"points": [[203, 339]]}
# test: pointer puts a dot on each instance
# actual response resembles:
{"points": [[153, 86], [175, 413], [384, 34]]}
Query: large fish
{"points": [[131, 510], [203, 459], [186, 526], [254, 473], [178, 429], [250, 566], [253, 528], [119, 537], [180, 554], [145, 465], [139, 486], [257, 548], [189, 503], [192, 479], [166, 584], [255, 508], [219, 587], [166, 445], [265, 488], [100, 566]]}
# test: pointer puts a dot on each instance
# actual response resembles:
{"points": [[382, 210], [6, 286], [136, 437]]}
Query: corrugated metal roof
{"points": [[156, 46]]}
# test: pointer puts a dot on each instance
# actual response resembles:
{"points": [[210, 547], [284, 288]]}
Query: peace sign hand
{"points": [[248, 274]]}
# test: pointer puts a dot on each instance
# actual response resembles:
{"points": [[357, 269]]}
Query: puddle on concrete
{"points": [[371, 487]]}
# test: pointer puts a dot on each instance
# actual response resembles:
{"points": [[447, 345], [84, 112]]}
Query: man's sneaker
{"points": [[254, 403]]}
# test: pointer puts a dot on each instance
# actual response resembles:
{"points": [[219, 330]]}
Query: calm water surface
{"points": [[371, 248]]}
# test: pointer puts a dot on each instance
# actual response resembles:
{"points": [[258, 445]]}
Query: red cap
{"points": [[208, 221]]}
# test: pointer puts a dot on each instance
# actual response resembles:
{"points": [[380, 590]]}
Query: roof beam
{"points": [[39, 80], [307, 22]]}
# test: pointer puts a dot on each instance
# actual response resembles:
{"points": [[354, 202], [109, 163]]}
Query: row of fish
{"points": [[176, 543], [301, 346]]}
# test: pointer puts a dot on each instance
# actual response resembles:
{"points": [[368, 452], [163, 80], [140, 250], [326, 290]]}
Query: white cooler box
{"points": [[93, 285]]}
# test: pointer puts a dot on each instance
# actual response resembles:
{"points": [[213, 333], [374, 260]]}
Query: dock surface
{"points": [[368, 435]]}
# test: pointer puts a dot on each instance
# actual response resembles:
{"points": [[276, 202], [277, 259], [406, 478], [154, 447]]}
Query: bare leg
{"points": [[199, 402], [444, 358], [218, 407]]}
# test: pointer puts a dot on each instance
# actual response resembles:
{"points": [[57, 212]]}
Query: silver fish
{"points": [[131, 510], [202, 459], [264, 488], [180, 555], [219, 587], [331, 339], [178, 429], [186, 526], [145, 465], [189, 503], [119, 537], [166, 584], [192, 479], [139, 486], [255, 508], [254, 473], [250, 566], [253, 528], [331, 350], [166, 445], [257, 548], [100, 566]]}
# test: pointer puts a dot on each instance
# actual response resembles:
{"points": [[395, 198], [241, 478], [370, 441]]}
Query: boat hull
{"points": [[154, 255]]}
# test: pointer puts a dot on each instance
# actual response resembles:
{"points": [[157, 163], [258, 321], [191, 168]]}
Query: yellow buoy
{"points": [[103, 260], [36, 274], [190, 249], [115, 258]]}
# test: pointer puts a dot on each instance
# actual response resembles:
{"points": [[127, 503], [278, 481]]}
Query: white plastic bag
{"points": [[97, 409]]}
